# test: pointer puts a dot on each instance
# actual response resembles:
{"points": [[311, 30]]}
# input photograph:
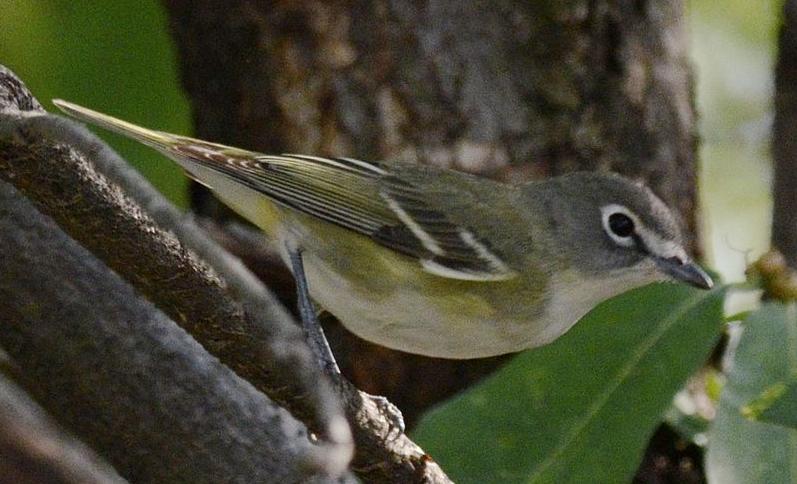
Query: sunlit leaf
{"points": [[582, 408]]}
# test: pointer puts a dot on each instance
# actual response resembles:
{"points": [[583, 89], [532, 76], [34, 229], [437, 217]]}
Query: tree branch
{"points": [[114, 369], [119, 217], [43, 154]]}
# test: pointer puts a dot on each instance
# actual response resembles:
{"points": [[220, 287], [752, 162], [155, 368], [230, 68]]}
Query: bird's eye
{"points": [[621, 225]]}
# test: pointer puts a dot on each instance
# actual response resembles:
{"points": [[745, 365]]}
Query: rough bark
{"points": [[252, 335], [508, 89], [115, 370], [122, 220], [97, 199], [784, 139], [105, 362]]}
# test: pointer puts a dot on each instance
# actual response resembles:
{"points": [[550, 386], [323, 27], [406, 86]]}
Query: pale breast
{"points": [[573, 296]]}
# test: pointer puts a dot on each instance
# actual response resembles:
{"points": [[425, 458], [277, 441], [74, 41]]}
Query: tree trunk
{"points": [[784, 139], [508, 89]]}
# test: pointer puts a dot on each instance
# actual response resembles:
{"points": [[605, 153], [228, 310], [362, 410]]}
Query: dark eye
{"points": [[621, 224]]}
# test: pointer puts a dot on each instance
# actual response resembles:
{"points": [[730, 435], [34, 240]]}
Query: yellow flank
{"points": [[267, 217], [374, 273]]}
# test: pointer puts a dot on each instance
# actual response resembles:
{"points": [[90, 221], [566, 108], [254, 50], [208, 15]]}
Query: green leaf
{"points": [[743, 446], [580, 409]]}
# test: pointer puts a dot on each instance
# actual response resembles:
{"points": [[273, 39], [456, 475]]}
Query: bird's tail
{"points": [[156, 139], [170, 144]]}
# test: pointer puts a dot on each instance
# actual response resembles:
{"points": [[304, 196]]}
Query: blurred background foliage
{"points": [[733, 46], [117, 57]]}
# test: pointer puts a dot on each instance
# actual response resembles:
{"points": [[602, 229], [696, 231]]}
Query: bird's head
{"points": [[609, 226]]}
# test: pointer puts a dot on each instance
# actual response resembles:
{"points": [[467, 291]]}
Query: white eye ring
{"points": [[606, 212]]}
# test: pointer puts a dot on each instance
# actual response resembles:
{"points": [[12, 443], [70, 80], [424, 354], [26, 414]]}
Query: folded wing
{"points": [[368, 198]]}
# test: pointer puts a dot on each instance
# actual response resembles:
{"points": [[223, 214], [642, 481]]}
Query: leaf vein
{"points": [[622, 375]]}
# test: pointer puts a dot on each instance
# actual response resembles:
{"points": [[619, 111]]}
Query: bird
{"points": [[434, 261]]}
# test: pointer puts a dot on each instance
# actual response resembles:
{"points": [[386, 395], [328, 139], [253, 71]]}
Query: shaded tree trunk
{"points": [[784, 139], [512, 90]]}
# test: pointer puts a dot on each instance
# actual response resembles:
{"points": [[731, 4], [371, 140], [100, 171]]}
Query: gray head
{"points": [[613, 224]]}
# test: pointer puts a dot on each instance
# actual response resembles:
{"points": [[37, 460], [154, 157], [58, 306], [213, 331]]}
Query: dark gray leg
{"points": [[320, 346], [312, 328]]}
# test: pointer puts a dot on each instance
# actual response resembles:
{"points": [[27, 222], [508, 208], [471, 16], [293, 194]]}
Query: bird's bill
{"points": [[685, 271]]}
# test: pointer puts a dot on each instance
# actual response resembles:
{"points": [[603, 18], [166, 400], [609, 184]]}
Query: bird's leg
{"points": [[320, 346], [312, 327]]}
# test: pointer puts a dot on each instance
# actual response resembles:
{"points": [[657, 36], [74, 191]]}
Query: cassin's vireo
{"points": [[438, 262]]}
